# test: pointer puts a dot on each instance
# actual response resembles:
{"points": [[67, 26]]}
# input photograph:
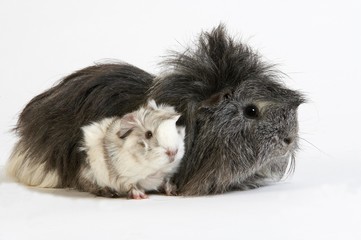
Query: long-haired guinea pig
{"points": [[133, 154], [126, 155], [241, 121], [242, 128]]}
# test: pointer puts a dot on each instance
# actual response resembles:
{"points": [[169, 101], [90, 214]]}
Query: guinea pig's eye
{"points": [[148, 134], [251, 111]]}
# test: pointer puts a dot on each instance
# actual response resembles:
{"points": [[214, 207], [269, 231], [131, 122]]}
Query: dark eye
{"points": [[251, 111], [148, 134]]}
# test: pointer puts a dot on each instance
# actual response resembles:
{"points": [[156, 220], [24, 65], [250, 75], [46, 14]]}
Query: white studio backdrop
{"points": [[316, 43]]}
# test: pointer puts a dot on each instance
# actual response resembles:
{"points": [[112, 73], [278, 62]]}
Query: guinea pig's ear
{"points": [[216, 98], [176, 117], [127, 124]]}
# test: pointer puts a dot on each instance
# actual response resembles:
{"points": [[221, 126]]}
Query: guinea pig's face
{"points": [[166, 143], [270, 129], [256, 122], [153, 138], [150, 135]]}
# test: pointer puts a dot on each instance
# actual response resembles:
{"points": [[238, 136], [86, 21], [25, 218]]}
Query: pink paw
{"points": [[137, 194]]}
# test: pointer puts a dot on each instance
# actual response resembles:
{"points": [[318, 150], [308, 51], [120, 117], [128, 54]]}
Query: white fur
{"points": [[167, 134], [94, 135], [25, 171]]}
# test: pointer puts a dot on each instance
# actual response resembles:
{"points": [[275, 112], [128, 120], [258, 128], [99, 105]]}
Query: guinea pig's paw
{"points": [[248, 185], [137, 194], [169, 189], [107, 192]]}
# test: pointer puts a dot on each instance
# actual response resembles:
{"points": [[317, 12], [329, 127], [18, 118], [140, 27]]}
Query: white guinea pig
{"points": [[133, 154]]}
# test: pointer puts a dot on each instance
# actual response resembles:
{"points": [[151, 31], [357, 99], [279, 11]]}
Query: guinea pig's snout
{"points": [[288, 140], [171, 153]]}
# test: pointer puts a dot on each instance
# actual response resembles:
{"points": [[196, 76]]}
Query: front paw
{"points": [[170, 189], [137, 194], [107, 192]]}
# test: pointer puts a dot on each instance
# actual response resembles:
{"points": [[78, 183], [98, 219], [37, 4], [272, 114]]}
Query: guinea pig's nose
{"points": [[288, 140], [171, 152]]}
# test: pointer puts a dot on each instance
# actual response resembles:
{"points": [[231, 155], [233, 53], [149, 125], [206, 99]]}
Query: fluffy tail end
{"points": [[29, 171]]}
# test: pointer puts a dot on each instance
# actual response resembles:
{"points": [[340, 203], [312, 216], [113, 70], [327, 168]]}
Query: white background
{"points": [[317, 43]]}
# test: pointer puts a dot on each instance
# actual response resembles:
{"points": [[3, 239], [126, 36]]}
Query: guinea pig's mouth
{"points": [[285, 146], [281, 167], [288, 151]]}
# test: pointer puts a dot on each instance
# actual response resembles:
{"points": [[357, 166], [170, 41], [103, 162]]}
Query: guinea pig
{"points": [[132, 154], [241, 120], [242, 127]]}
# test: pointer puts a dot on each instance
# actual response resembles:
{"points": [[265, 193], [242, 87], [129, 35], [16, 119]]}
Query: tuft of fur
{"points": [[30, 171], [212, 85]]}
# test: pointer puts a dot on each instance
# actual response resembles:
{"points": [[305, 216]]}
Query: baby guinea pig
{"points": [[133, 154]]}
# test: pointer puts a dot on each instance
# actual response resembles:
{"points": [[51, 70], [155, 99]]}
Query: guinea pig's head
{"points": [[252, 125], [151, 134]]}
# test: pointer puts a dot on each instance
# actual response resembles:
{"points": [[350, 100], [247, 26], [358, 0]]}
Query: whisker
{"points": [[290, 168], [313, 145], [306, 133]]}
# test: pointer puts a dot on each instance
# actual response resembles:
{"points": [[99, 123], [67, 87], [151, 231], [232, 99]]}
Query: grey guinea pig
{"points": [[241, 121]]}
